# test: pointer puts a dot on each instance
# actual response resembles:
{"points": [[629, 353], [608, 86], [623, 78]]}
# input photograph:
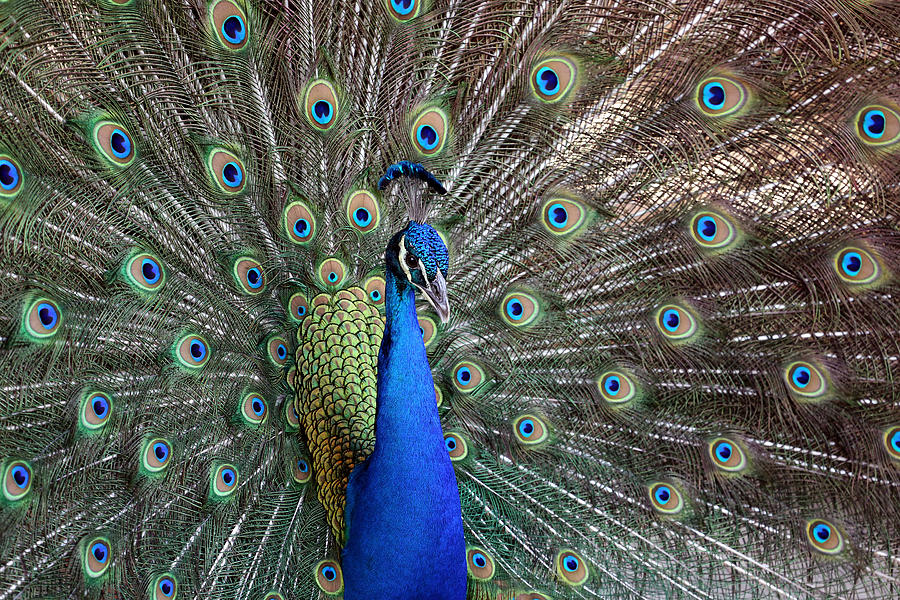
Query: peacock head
{"points": [[417, 255]]}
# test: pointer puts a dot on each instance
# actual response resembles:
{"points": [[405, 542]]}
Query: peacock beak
{"points": [[436, 293]]}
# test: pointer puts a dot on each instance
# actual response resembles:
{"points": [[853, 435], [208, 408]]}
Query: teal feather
{"points": [[669, 368]]}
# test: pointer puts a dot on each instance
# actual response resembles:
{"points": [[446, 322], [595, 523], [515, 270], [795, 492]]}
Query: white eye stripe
{"points": [[402, 258], [424, 274]]}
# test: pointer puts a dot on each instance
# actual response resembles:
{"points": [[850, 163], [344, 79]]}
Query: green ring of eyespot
{"points": [[735, 449], [291, 417], [519, 309], [9, 493], [12, 189], [333, 586], [155, 587], [145, 462], [198, 363], [214, 478], [87, 557], [468, 376], [293, 213], [56, 326], [86, 404], [137, 284], [682, 313], [837, 544], [460, 448], [245, 286], [231, 157], [658, 506], [475, 555], [253, 419], [867, 259], [619, 377], [113, 160], [571, 567], [718, 220], [792, 371], [887, 438], [530, 429]]}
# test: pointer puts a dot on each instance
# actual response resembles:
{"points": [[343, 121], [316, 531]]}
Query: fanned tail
{"points": [[669, 369]]}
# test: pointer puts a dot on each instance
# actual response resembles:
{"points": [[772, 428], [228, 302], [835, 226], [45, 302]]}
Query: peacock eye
{"points": [[224, 480], [412, 261], [329, 577], [166, 588], [824, 537]]}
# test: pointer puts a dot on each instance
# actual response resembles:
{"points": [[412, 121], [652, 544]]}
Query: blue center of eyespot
{"points": [[150, 270], [873, 124], [232, 175], [526, 428], [570, 564], [233, 29], [47, 315], [99, 551], [302, 466], [714, 95], [547, 81], [166, 586], [822, 532], [402, 7], [375, 295], [450, 443], [514, 310], [662, 494], [801, 377], [723, 451], [332, 277], [851, 263], [612, 385], [322, 112], [228, 477], [329, 573], [427, 137], [281, 351], [9, 175], [258, 406], [706, 228], [479, 559], [464, 375], [161, 451], [119, 143], [559, 216], [100, 406], [20, 476], [198, 350], [671, 319], [254, 278], [895, 441], [362, 217], [301, 227]]}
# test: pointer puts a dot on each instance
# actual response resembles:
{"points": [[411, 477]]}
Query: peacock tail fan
{"points": [[670, 361]]}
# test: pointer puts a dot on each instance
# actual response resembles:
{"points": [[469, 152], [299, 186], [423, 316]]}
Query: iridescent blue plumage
{"points": [[403, 511]]}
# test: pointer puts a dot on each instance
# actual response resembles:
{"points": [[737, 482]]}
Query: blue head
{"points": [[417, 256]]}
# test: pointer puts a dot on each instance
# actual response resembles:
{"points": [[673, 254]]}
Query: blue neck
{"points": [[406, 415], [405, 534]]}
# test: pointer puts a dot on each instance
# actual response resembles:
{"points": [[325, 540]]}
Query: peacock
{"points": [[448, 299]]}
